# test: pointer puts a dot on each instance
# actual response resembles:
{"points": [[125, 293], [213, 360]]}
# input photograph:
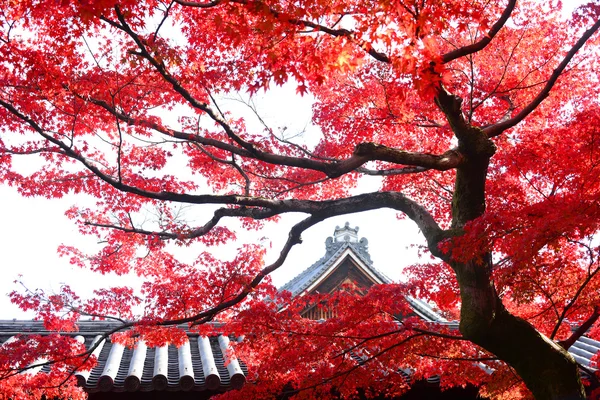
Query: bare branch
{"points": [[350, 35], [163, 19], [500, 127], [250, 104], [480, 45], [581, 330]]}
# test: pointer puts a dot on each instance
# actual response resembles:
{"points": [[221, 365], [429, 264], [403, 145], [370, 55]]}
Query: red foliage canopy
{"points": [[481, 118]]}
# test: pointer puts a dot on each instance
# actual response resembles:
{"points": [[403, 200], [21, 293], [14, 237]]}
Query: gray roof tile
{"points": [[181, 371], [202, 365]]}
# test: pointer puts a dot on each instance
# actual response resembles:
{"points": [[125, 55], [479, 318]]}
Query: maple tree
{"points": [[481, 118]]}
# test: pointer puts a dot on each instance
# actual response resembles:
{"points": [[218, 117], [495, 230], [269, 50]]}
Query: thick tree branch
{"points": [[363, 202], [392, 171], [254, 213], [480, 45], [376, 152], [327, 208], [363, 152], [497, 129], [581, 330]]}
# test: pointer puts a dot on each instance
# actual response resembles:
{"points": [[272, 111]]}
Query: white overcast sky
{"points": [[31, 229]]}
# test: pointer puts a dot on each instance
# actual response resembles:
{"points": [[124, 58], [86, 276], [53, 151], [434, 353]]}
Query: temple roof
{"points": [[344, 239], [345, 243], [201, 364]]}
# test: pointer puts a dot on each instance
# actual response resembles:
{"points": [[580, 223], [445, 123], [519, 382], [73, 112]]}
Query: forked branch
{"points": [[581, 330], [363, 152], [481, 44], [497, 129]]}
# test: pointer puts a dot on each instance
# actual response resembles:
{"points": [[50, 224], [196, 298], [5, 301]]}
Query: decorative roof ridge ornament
{"points": [[345, 234], [342, 239]]}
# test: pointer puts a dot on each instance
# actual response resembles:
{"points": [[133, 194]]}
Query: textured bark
{"points": [[546, 368]]}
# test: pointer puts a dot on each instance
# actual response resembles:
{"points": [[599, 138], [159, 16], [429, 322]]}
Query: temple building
{"points": [[346, 263], [201, 368]]}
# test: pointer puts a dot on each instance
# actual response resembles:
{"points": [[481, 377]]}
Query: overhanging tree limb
{"points": [[431, 230], [363, 152]]}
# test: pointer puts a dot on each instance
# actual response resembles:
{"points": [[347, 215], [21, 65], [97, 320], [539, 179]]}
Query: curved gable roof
{"points": [[344, 239]]}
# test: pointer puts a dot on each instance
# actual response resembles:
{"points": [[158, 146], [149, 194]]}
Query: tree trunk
{"points": [[545, 367], [548, 370]]}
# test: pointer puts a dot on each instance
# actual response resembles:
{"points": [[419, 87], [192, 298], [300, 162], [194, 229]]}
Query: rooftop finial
{"points": [[345, 234]]}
